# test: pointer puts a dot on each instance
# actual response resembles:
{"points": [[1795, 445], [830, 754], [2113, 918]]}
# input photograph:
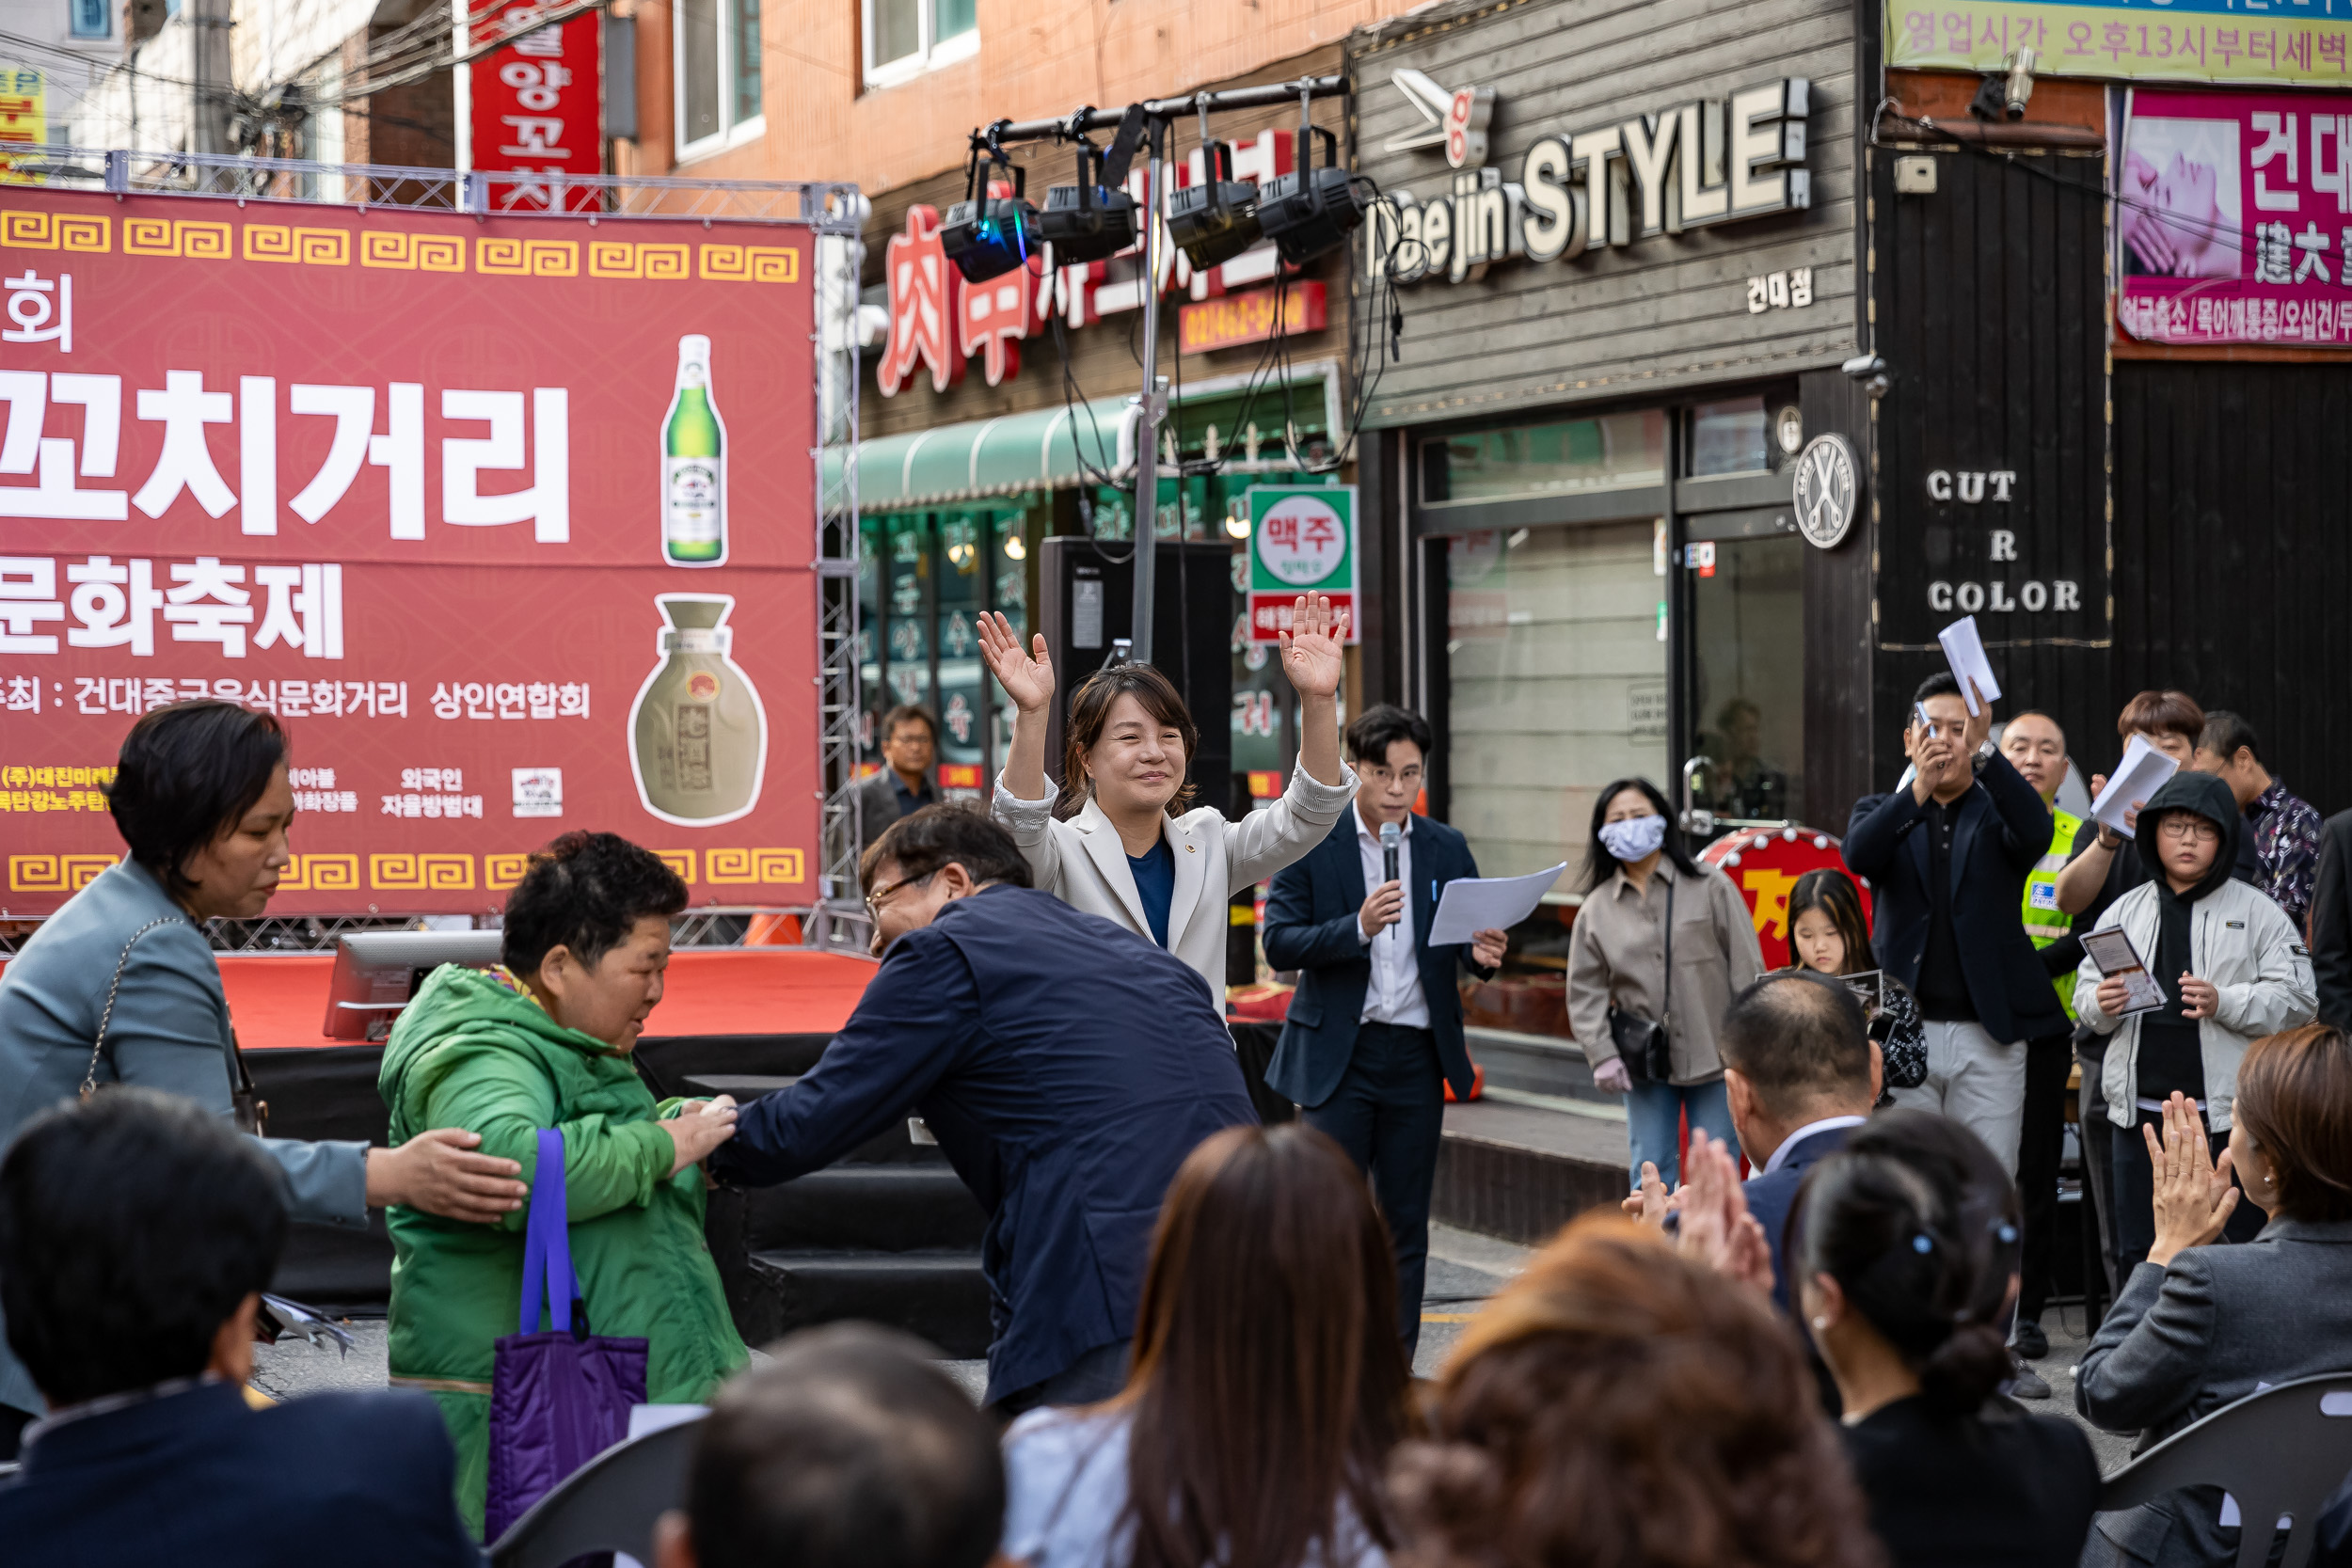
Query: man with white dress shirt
{"points": [[1374, 1031]]}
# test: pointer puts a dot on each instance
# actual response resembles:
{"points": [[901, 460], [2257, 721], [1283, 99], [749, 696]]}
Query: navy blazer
{"points": [[1067, 1067], [1772, 1196], [1310, 927], [2002, 830], [200, 1480]]}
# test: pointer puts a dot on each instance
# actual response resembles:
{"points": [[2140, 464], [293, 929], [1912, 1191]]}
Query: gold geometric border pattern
{"points": [[210, 240], [321, 874], [55, 873]]}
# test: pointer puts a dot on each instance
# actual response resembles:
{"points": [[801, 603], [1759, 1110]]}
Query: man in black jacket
{"points": [[1947, 859], [2331, 922], [1375, 1033], [136, 1232]]}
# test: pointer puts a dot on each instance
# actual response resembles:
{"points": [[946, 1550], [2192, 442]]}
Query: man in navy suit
{"points": [[1947, 858], [136, 1232], [1800, 1070], [1374, 1032], [1066, 1066]]}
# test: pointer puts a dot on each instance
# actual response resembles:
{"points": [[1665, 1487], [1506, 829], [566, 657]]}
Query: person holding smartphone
{"points": [[2232, 967]]}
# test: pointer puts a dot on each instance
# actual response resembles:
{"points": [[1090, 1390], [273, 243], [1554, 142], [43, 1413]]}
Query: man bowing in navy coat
{"points": [[1374, 1032], [1067, 1067]]}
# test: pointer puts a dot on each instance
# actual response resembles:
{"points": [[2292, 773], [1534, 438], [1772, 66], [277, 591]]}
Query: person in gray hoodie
{"points": [[2233, 969]]}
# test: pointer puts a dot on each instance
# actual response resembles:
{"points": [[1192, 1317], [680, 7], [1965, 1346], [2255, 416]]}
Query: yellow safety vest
{"points": [[2044, 921]]}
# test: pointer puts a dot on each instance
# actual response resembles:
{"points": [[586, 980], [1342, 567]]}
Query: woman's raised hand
{"points": [[2194, 1194], [1027, 679], [1312, 648], [1717, 1228]]}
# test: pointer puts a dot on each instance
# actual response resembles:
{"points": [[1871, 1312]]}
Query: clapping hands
{"points": [[1715, 1228], [2194, 1194]]}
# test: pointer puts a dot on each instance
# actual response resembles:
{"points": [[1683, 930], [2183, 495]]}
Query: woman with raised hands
{"points": [[1120, 837]]}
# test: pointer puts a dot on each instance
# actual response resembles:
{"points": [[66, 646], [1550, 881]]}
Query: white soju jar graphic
{"points": [[698, 732], [693, 465]]}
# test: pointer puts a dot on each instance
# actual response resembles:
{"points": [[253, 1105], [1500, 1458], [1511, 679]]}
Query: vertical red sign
{"points": [[537, 109]]}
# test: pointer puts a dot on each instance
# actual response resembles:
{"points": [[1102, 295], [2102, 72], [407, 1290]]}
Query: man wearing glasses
{"points": [[2233, 968], [1947, 858], [1374, 1032], [1066, 1066]]}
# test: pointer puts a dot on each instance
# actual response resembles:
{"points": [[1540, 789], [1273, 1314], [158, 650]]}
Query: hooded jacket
{"points": [[2239, 941], [471, 1051]]}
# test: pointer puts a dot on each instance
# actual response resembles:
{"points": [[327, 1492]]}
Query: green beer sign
{"points": [[1302, 540]]}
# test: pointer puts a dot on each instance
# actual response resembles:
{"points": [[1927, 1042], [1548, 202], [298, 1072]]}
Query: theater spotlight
{"points": [[1092, 220], [1310, 211], [1217, 220], [988, 236]]}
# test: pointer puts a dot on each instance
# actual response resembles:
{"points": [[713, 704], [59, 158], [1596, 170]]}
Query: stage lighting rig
{"points": [[1310, 211], [988, 236], [1217, 220], [1094, 219]]}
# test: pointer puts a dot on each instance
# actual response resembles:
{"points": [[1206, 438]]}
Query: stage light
{"points": [[1094, 219], [1217, 220], [987, 235], [1308, 212]]}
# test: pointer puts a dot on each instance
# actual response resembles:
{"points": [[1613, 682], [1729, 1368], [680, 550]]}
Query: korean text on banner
{"points": [[2234, 219], [535, 109], [2187, 41], [1302, 540], [412, 489]]}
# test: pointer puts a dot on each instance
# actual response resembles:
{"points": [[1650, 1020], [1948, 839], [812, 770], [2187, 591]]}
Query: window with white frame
{"points": [[89, 19], [906, 38], [718, 74]]}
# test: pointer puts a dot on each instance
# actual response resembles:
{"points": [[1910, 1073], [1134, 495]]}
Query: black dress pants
{"points": [[2041, 1146], [1388, 1113]]}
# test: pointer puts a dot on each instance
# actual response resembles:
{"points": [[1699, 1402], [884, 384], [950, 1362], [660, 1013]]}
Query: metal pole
{"points": [[1155, 405]]}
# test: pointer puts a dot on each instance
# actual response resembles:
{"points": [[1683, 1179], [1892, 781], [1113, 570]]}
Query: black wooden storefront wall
{"points": [[1991, 319], [2233, 553]]}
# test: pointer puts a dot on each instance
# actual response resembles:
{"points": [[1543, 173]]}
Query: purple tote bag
{"points": [[559, 1398]]}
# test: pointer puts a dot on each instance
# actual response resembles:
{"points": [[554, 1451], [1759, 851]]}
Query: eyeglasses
{"points": [[880, 895], [1409, 777], [2189, 829]]}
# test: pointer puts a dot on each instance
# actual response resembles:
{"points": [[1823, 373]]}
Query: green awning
{"points": [[1040, 449], [1002, 457]]}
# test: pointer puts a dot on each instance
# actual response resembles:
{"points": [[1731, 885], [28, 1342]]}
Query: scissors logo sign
{"points": [[1828, 489], [1454, 118]]}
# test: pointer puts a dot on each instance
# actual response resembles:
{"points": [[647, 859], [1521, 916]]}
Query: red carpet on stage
{"points": [[278, 1003]]}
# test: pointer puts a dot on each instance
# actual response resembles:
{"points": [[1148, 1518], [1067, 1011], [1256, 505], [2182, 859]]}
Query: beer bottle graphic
{"points": [[693, 465], [698, 733]]}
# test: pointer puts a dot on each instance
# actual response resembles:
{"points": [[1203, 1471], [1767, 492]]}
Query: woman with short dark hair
{"points": [[1639, 881], [1903, 1258], [542, 1040], [1620, 1406], [2198, 1325], [1120, 837], [120, 986], [1267, 1387]]}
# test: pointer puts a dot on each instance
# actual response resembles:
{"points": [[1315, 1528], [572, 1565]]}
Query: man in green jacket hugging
{"points": [[543, 1041]]}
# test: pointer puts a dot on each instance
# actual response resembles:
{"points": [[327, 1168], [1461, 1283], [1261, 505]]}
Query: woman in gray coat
{"points": [[120, 986], [2198, 1327]]}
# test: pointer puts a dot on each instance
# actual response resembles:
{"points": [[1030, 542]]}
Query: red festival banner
{"points": [[509, 520], [537, 105]]}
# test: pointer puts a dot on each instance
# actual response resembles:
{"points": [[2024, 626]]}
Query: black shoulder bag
{"points": [[1642, 1044]]}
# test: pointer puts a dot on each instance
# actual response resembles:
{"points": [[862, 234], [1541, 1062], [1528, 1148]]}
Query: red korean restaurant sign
{"points": [[509, 521], [535, 105], [1249, 318]]}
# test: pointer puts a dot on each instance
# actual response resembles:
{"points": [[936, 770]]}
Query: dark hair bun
{"points": [[1964, 1370]]}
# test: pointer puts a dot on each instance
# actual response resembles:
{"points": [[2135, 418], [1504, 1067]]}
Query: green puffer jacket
{"points": [[471, 1052]]}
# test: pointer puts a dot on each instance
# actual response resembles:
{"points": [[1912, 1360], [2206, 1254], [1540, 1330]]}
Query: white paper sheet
{"points": [[1965, 651], [1475, 904], [2138, 777], [2117, 959]]}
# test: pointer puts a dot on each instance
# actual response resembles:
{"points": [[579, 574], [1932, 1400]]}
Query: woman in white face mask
{"points": [[1646, 1021]]}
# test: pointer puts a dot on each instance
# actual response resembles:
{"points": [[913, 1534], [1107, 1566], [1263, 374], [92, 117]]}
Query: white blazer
{"points": [[1084, 863]]}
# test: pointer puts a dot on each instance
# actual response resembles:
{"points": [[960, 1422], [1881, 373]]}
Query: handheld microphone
{"points": [[1390, 839]]}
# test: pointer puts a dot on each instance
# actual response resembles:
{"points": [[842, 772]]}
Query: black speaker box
{"points": [[1085, 592]]}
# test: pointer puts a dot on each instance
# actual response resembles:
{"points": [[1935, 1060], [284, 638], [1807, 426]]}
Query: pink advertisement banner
{"points": [[2234, 219]]}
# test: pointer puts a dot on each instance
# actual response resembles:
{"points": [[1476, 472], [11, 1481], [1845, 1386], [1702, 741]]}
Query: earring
{"points": [[1822, 1323]]}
